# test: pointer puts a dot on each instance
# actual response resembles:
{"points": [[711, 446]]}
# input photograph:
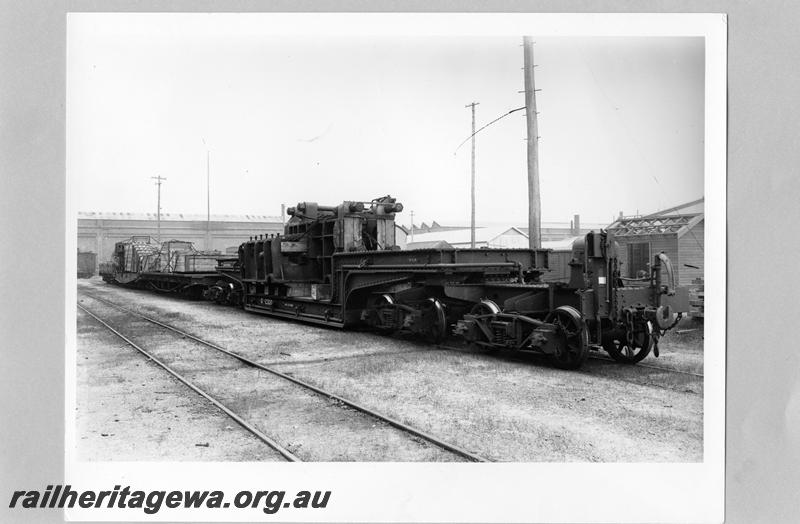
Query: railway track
{"points": [[650, 366], [450, 348], [447, 347], [405, 428], [599, 358], [288, 455]]}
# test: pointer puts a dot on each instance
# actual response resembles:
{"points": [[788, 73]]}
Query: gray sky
{"points": [[293, 118]]}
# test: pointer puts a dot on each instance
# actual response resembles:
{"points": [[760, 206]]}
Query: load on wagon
{"points": [[173, 266]]}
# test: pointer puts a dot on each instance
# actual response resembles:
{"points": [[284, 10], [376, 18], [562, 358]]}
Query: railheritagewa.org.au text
{"points": [[152, 501]]}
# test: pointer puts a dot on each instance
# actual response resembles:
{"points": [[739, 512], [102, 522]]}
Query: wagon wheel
{"points": [[573, 349], [223, 292], [617, 346], [379, 301], [434, 320], [376, 304], [485, 307]]}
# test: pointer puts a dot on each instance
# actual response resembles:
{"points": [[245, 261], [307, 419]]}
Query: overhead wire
{"points": [[487, 125]]}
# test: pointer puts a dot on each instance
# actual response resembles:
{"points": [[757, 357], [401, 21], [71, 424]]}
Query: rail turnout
{"points": [[436, 441], [288, 455]]}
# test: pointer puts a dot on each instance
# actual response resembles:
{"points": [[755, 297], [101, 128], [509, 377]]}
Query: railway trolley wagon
{"points": [[173, 266], [340, 266]]}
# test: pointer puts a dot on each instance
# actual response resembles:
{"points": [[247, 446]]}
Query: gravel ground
{"points": [[129, 409], [498, 405], [310, 426]]}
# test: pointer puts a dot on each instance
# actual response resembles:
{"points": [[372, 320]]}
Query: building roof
{"points": [[435, 226], [689, 208], [655, 225], [560, 245], [462, 236], [433, 244], [175, 217], [556, 245], [567, 226], [585, 226]]}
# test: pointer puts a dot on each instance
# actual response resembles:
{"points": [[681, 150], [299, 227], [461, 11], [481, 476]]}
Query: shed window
{"points": [[638, 259]]}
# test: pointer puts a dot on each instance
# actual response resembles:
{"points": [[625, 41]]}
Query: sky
{"points": [[311, 117]]}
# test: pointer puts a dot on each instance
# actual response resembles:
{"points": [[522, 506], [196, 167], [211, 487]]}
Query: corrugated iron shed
{"points": [[459, 237], [560, 245]]}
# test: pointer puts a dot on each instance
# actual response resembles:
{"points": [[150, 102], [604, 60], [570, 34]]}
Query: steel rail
{"points": [[343, 357], [385, 418], [638, 364], [249, 427]]}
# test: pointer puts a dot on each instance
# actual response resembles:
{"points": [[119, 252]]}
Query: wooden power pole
{"points": [[208, 199], [472, 219], [534, 199], [208, 194], [158, 180]]}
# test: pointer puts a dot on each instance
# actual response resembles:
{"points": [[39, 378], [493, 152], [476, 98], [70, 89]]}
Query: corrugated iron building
{"points": [[493, 237], [677, 231], [559, 258], [556, 231], [99, 231]]}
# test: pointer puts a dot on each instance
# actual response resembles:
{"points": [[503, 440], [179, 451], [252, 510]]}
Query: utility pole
{"points": [[412, 225], [472, 216], [534, 199], [208, 194], [208, 199], [158, 180]]}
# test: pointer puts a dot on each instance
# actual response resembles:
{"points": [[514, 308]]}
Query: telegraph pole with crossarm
{"points": [[534, 199]]}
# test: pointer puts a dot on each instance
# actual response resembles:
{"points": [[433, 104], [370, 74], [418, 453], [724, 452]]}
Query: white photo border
{"points": [[433, 492]]}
